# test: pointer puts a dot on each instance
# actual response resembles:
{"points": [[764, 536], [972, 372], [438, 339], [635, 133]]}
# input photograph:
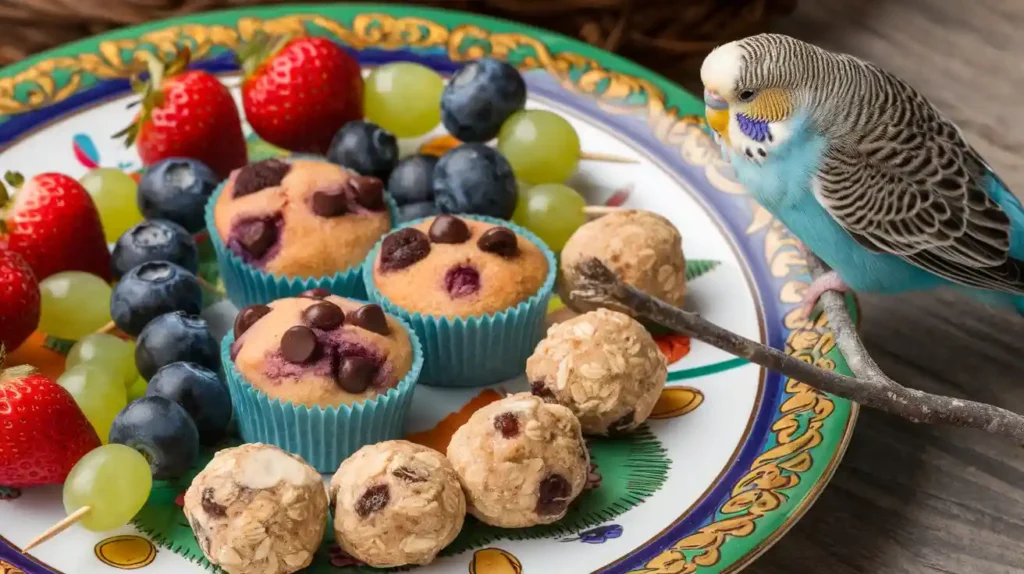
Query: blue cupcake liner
{"points": [[247, 285], [483, 349], [322, 436]]}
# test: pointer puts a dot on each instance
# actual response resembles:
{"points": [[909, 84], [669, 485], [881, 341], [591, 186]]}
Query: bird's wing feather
{"points": [[915, 189]]}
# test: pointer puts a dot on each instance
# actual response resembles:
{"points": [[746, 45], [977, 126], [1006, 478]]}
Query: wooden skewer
{"points": [[607, 157], [216, 290], [57, 528], [599, 210], [108, 328]]}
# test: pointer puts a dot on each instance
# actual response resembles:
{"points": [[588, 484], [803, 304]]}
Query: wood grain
{"points": [[908, 498]]}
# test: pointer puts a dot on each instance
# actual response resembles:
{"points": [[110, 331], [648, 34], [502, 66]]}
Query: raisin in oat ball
{"points": [[604, 366], [521, 461], [644, 249], [396, 503], [300, 217], [256, 509]]}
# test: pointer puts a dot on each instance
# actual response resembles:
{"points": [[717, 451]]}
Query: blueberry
{"points": [[479, 98], [200, 392], [162, 431], [474, 178], [364, 148], [151, 289], [412, 211], [174, 337], [154, 240], [410, 181], [177, 189]]}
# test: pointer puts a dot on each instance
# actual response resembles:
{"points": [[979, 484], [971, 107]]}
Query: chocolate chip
{"points": [[355, 374], [324, 315], [407, 474], [315, 293], [260, 175], [403, 248], [371, 317], [375, 498], [553, 495], [507, 424], [367, 191], [461, 281], [539, 389], [247, 317], [500, 241], [448, 229], [257, 237], [298, 344], [623, 424], [329, 203], [210, 506]]}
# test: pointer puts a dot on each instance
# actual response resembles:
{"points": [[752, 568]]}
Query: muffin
{"points": [[521, 461], [644, 249], [283, 226], [604, 367], [320, 375], [475, 289], [396, 503]]}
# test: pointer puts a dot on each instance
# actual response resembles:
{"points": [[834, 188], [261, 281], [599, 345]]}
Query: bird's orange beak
{"points": [[717, 111]]}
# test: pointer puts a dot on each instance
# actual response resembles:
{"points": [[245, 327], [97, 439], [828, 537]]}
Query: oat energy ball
{"points": [[521, 461], [321, 350], [644, 249], [301, 218], [457, 267], [256, 509], [396, 503], [604, 366]]}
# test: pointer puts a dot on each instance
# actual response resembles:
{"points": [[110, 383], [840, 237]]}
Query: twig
{"points": [[871, 388]]}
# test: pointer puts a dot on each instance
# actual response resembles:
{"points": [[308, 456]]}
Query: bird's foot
{"points": [[830, 281]]}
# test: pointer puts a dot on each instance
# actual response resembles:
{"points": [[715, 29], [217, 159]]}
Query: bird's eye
{"points": [[746, 95]]}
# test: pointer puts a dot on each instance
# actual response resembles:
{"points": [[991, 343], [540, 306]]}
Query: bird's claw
{"points": [[830, 281]]}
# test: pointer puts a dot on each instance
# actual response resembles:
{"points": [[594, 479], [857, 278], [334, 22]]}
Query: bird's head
{"points": [[752, 92]]}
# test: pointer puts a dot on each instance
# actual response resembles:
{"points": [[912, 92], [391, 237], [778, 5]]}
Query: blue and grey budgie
{"points": [[864, 171]]}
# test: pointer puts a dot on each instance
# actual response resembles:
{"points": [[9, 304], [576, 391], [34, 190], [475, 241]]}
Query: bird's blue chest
{"points": [[782, 184]]}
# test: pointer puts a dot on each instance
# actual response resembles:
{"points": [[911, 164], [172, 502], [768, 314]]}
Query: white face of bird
{"points": [[748, 115]]}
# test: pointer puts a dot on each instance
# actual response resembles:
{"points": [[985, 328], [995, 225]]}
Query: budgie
{"points": [[864, 171]]}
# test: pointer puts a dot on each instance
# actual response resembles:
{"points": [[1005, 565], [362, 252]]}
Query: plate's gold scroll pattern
{"points": [[803, 411]]}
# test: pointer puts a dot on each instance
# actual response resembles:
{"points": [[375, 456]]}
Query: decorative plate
{"points": [[732, 457]]}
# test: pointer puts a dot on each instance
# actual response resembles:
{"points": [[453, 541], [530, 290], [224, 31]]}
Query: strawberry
{"points": [[19, 300], [299, 92], [186, 113], [45, 433], [54, 225]]}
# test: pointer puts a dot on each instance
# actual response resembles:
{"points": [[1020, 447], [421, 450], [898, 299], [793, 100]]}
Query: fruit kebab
{"points": [[103, 491]]}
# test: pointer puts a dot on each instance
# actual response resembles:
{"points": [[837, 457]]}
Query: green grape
{"points": [[541, 146], [99, 393], [519, 215], [403, 98], [74, 304], [113, 191], [107, 352], [114, 481], [138, 389], [553, 211]]}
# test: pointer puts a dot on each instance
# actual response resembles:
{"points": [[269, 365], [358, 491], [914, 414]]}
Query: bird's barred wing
{"points": [[916, 189]]}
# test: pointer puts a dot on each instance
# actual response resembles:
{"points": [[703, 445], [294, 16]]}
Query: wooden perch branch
{"points": [[870, 387]]}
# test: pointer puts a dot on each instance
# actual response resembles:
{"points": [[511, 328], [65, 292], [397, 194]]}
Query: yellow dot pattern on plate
{"points": [[127, 552], [676, 402], [494, 561]]}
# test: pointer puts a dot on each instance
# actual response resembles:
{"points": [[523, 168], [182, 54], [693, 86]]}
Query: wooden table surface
{"points": [[910, 498]]}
